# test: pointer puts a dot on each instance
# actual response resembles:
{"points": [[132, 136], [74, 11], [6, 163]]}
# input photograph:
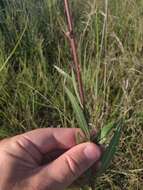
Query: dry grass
{"points": [[110, 45]]}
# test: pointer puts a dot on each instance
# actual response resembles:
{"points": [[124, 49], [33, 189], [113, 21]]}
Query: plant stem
{"points": [[70, 35]]}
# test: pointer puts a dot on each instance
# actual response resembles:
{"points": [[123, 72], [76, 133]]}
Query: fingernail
{"points": [[92, 152]]}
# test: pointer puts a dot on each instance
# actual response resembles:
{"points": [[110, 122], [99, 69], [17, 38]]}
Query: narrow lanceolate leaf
{"points": [[75, 88], [72, 80], [63, 73], [111, 149], [15, 48], [79, 113], [3, 133], [103, 133]]}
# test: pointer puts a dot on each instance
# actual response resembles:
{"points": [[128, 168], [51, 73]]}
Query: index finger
{"points": [[48, 139]]}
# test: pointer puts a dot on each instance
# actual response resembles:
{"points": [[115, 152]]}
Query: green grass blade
{"points": [[3, 133], [78, 112], [15, 48], [106, 130], [75, 88], [72, 79], [103, 133], [111, 149], [63, 73]]}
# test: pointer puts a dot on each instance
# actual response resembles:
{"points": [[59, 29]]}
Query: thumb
{"points": [[63, 171]]}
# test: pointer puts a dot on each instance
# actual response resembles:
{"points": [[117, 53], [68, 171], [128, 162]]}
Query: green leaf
{"points": [[111, 149], [75, 87], [79, 113], [3, 133], [63, 73], [71, 79], [105, 131], [16, 46]]}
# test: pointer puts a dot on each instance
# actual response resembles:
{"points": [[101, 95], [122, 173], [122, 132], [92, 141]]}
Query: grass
{"points": [[110, 46]]}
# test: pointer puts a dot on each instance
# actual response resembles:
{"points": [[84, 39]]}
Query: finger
{"points": [[85, 178], [96, 167], [49, 139], [49, 157], [66, 169]]}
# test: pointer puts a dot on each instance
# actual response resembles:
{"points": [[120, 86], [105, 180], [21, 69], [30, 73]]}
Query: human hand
{"points": [[44, 159]]}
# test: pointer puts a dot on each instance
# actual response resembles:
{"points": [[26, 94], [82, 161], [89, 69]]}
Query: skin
{"points": [[45, 159]]}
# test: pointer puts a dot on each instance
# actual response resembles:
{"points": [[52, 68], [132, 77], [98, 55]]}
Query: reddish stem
{"points": [[71, 37]]}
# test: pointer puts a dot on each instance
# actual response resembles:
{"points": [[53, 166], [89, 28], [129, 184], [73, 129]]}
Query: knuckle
{"points": [[73, 167]]}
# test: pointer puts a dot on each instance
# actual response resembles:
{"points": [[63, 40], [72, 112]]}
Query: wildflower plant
{"points": [[78, 103]]}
